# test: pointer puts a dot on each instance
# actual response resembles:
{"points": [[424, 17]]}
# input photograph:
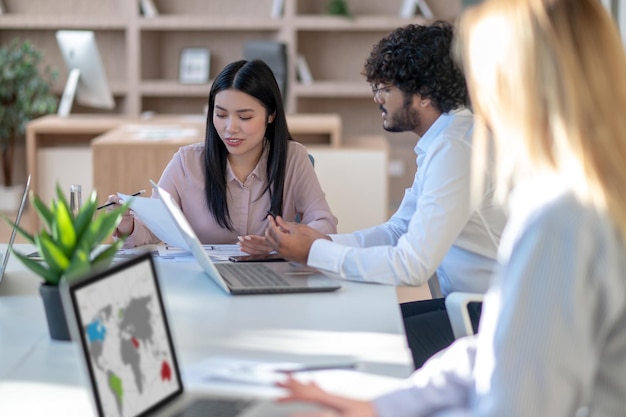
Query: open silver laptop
{"points": [[20, 211], [246, 278], [118, 320]]}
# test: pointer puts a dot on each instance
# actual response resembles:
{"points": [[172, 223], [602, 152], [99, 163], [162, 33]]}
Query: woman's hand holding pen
{"points": [[127, 223]]}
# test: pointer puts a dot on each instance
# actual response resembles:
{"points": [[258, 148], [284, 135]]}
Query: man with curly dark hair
{"points": [[438, 229]]}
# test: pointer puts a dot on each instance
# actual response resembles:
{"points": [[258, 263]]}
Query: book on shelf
{"points": [[304, 73], [277, 8], [148, 9], [409, 8]]}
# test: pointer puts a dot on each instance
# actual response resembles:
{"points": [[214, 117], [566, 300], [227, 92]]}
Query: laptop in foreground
{"points": [[20, 211], [245, 278], [118, 320]]}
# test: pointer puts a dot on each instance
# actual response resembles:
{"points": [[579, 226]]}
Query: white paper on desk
{"points": [[153, 213], [216, 252], [237, 370], [350, 383]]}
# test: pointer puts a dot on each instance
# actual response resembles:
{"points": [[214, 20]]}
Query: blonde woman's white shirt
{"points": [[552, 339]]}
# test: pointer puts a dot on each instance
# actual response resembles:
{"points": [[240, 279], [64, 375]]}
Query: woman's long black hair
{"points": [[256, 79]]}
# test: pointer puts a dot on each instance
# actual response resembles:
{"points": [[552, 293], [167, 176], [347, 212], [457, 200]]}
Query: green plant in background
{"points": [[69, 244], [338, 8], [24, 95]]}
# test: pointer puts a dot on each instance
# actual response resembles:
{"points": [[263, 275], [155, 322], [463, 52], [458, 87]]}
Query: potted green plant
{"points": [[338, 8], [69, 246], [25, 94]]}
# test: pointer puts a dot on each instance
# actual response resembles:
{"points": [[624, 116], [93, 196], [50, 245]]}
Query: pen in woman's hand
{"points": [[112, 203]]}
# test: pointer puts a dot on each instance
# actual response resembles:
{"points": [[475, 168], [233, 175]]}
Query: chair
{"points": [[456, 305]]}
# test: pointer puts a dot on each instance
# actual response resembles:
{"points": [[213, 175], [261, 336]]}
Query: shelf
{"points": [[209, 23], [172, 88], [333, 89], [118, 88], [360, 23], [23, 21]]}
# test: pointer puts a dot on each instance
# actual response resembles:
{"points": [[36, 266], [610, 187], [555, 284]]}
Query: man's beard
{"points": [[404, 120]]}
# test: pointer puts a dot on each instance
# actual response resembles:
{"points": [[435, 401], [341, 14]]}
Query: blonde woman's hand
{"points": [[335, 405]]}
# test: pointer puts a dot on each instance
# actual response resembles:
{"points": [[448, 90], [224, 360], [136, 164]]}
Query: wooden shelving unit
{"points": [[141, 55]]}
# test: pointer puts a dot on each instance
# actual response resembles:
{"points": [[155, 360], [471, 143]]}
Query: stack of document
{"points": [[156, 217]]}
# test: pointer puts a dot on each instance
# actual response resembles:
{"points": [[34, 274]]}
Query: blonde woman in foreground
{"points": [[547, 82]]}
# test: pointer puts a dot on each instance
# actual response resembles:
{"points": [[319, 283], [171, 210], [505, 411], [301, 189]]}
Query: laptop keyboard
{"points": [[215, 407], [252, 275]]}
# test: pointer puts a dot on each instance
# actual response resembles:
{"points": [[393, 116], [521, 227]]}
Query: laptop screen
{"points": [[125, 339], [18, 217]]}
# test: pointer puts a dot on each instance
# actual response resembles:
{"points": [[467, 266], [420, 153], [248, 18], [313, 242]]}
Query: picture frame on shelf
{"points": [[194, 65]]}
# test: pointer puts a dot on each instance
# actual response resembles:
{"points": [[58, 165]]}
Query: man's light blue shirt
{"points": [[435, 229]]}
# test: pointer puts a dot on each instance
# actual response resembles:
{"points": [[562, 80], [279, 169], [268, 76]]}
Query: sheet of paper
{"points": [[352, 383], [216, 252], [153, 213]]}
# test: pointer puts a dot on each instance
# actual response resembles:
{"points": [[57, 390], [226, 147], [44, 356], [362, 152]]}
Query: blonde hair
{"points": [[547, 79]]}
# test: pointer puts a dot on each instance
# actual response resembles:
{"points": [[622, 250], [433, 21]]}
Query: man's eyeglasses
{"points": [[378, 91]]}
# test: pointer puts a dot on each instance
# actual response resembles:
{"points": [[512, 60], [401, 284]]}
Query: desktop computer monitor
{"points": [[86, 82]]}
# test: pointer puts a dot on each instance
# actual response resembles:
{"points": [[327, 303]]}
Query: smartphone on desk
{"points": [[271, 257]]}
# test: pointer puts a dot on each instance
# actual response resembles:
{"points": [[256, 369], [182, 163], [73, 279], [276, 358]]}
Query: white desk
{"points": [[39, 376]]}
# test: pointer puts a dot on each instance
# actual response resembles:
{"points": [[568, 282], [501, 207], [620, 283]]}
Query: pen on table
{"points": [[111, 203], [311, 368]]}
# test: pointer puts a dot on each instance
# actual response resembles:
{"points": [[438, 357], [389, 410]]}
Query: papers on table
{"points": [[161, 132], [256, 372], [332, 376], [216, 252], [155, 216]]}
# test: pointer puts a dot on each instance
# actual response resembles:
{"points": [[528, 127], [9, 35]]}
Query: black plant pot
{"points": [[57, 325]]}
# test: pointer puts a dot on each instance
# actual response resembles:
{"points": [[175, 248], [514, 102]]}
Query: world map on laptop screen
{"points": [[126, 341]]}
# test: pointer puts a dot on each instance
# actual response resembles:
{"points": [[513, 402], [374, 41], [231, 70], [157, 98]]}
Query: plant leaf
{"points": [[21, 231], [63, 231], [44, 212], [85, 215], [79, 265], [51, 254], [102, 227], [46, 274], [108, 254]]}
